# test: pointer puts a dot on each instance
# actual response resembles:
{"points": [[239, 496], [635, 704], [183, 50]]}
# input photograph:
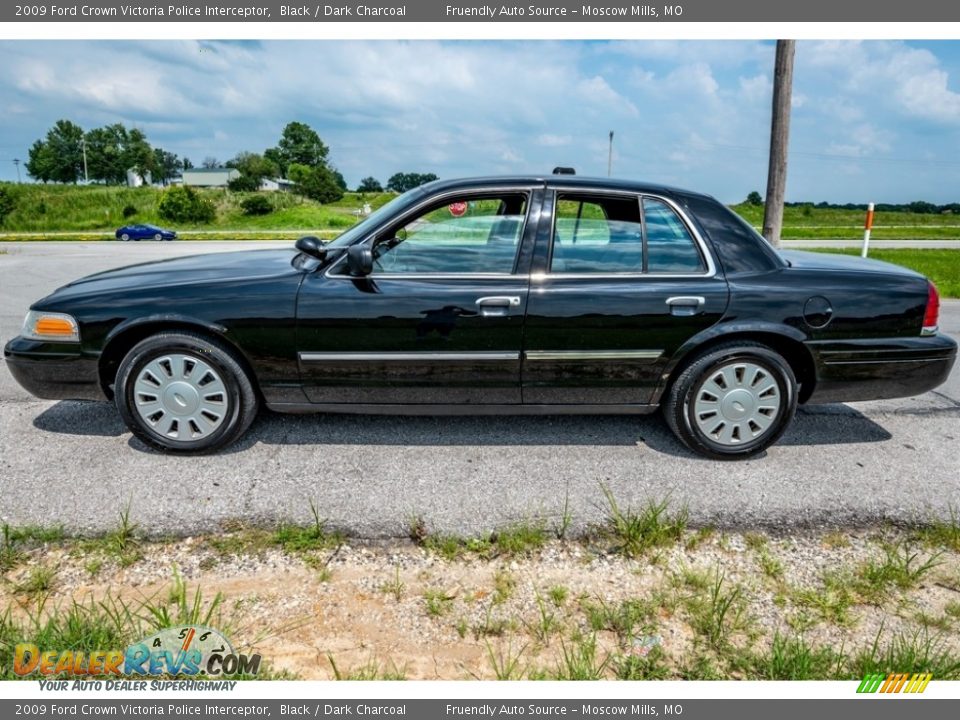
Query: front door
{"points": [[440, 318], [620, 282]]}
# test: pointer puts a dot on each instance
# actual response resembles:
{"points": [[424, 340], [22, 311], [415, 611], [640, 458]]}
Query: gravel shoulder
{"points": [[398, 610]]}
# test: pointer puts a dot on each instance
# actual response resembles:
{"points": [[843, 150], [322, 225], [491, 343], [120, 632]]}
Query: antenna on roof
{"points": [[559, 170]]}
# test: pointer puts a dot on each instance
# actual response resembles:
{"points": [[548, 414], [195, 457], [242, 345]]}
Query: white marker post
{"points": [[867, 227]]}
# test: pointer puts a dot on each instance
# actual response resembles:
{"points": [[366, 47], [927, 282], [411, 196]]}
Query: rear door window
{"points": [[595, 234]]}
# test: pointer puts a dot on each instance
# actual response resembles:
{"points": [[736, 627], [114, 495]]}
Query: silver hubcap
{"points": [[181, 397], [737, 403]]}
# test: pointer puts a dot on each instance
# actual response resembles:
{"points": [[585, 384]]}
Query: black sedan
{"points": [[520, 295], [144, 232]]}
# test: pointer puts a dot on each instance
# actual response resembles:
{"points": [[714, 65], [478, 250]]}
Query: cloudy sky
{"points": [[875, 120]]}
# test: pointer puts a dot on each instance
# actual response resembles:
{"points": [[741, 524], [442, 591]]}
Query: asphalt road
{"points": [[75, 464]]}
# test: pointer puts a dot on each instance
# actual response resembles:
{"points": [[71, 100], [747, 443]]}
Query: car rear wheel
{"points": [[125, 237], [733, 401], [182, 392]]}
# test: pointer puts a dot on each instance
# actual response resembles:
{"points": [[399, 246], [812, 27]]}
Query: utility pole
{"points": [[779, 140], [16, 161], [83, 144], [610, 156]]}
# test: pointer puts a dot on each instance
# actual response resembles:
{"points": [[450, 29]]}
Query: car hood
{"points": [[212, 267], [846, 263]]}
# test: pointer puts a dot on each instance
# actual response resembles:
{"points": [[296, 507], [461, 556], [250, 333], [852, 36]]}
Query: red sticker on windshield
{"points": [[458, 209]]}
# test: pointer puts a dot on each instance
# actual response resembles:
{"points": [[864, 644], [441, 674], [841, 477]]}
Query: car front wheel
{"points": [[158, 237], [182, 392], [733, 401]]}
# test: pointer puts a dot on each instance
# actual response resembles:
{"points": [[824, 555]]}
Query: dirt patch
{"points": [[708, 605]]}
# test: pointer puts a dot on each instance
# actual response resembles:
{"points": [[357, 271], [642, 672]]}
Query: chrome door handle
{"points": [[497, 305], [686, 304], [501, 300]]}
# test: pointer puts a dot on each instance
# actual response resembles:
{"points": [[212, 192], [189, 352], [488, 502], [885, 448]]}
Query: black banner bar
{"points": [[448, 11], [194, 708]]}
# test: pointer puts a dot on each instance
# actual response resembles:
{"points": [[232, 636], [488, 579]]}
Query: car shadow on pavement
{"points": [[78, 417], [821, 425]]}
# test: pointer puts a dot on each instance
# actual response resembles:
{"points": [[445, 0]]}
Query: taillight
{"points": [[932, 314]]}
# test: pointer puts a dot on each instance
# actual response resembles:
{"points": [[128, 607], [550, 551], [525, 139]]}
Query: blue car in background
{"points": [[144, 232]]}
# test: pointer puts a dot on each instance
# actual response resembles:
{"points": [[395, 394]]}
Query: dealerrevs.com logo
{"points": [[186, 650], [895, 683]]}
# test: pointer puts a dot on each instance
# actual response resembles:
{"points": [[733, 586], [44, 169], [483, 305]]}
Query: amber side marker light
{"points": [[56, 327], [53, 326]]}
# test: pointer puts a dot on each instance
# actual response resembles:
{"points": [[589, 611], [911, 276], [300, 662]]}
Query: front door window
{"points": [[462, 236]]}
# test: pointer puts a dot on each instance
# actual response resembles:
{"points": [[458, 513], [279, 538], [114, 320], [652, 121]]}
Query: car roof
{"points": [[574, 182]]}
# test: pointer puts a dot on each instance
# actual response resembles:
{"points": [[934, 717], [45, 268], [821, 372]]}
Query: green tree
{"points": [[754, 198], [40, 162], [299, 144], [257, 205], [922, 207], [105, 161], [253, 169], [7, 203], [316, 183], [59, 157], [184, 204], [401, 182], [298, 173], [166, 166], [276, 157], [369, 185], [138, 155]]}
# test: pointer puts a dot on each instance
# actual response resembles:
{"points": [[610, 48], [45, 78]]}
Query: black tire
{"points": [[158, 237], [125, 237], [240, 396], [679, 403]]}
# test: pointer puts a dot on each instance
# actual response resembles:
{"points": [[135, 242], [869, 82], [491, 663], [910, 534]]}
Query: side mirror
{"points": [[360, 260], [311, 246]]}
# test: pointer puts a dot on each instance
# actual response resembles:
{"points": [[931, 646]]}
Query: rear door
{"points": [[620, 281]]}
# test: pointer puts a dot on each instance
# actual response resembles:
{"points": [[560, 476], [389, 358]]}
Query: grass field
{"points": [[941, 266], [69, 212], [93, 210], [810, 222]]}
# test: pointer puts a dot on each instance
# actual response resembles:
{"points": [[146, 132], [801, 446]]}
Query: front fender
{"points": [[168, 319]]}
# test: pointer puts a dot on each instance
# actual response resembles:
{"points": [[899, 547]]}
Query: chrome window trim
{"points": [[710, 272], [527, 190], [407, 356], [592, 354], [308, 356]]}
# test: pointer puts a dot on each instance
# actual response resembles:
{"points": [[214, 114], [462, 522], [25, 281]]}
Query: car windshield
{"points": [[398, 204]]}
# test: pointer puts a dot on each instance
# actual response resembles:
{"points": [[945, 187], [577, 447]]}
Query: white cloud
{"points": [[696, 78], [906, 79], [863, 141], [690, 113], [756, 89], [551, 140]]}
